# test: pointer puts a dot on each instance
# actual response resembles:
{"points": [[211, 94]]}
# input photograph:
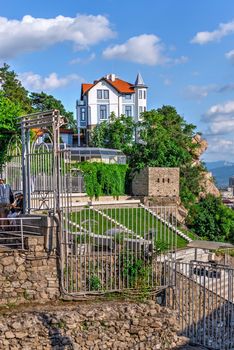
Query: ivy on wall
{"points": [[103, 179]]}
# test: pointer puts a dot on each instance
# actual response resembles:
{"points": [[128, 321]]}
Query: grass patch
{"points": [[138, 221]]}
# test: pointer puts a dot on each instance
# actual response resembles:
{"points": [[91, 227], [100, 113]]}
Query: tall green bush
{"points": [[103, 179]]}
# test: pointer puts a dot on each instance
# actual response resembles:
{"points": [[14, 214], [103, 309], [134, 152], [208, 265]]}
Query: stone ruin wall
{"points": [[98, 326], [157, 182], [29, 275]]}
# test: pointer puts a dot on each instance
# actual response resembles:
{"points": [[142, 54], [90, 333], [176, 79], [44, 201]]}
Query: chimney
{"points": [[111, 77]]}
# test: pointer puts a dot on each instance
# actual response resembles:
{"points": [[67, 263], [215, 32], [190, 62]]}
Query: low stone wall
{"points": [[30, 275], [106, 325]]}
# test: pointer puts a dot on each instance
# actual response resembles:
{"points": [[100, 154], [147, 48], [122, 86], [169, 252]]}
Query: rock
{"points": [[8, 260], [144, 326], [202, 146], [9, 335]]}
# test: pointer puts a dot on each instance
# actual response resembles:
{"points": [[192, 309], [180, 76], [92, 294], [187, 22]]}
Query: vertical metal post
{"points": [[22, 233], [28, 179], [23, 166]]}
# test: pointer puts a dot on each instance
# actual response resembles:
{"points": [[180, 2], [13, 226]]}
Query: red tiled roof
{"points": [[120, 85], [86, 87]]}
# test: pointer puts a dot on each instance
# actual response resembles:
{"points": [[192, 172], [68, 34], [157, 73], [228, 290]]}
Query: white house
{"points": [[106, 95]]}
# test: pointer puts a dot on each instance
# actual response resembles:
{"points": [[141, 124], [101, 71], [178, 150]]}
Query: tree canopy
{"points": [[12, 88], [15, 100], [161, 138], [117, 133], [44, 102], [211, 219], [8, 123]]}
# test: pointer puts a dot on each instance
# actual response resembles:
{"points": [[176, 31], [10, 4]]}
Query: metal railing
{"points": [[115, 249], [14, 231], [203, 296]]}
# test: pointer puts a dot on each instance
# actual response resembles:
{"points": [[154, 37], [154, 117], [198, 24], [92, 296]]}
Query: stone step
{"points": [[180, 233]]}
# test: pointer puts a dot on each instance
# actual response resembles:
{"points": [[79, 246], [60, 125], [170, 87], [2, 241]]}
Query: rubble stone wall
{"points": [[103, 325], [29, 275]]}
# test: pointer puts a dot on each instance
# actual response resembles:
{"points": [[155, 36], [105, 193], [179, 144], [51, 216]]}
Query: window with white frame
{"points": [[144, 92], [99, 94], [140, 94], [128, 96], [102, 94], [140, 109], [82, 114], [106, 94], [103, 112], [128, 111]]}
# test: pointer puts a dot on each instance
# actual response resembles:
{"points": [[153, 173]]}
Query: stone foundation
{"points": [[30, 275], [106, 325]]}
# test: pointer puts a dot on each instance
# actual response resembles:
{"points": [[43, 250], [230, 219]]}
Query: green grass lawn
{"points": [[138, 220]]}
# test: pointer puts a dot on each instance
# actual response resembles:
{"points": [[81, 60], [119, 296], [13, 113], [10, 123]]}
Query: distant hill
{"points": [[221, 171]]}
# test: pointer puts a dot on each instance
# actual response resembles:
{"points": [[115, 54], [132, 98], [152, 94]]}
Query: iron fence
{"points": [[117, 249], [203, 296], [15, 230]]}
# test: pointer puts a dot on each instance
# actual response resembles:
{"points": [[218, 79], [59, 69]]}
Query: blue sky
{"points": [[183, 49]]}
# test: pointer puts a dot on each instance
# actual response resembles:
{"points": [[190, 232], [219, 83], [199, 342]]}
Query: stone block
{"points": [[7, 260]]}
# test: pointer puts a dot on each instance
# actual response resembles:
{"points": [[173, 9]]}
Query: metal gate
{"points": [[203, 296], [110, 249]]}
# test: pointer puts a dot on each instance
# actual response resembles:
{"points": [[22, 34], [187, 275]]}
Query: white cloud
{"points": [[226, 108], [31, 34], [221, 127], [144, 49], [220, 119], [220, 146], [180, 60], [36, 82], [198, 92], [224, 29], [167, 82], [230, 55], [88, 59]]}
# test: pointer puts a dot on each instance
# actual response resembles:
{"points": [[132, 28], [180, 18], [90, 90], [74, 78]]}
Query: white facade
{"points": [[107, 95]]}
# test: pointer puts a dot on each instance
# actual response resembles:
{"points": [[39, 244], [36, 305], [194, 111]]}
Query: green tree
{"points": [[117, 133], [166, 139], [163, 139], [12, 88], [9, 111], [211, 219], [43, 102]]}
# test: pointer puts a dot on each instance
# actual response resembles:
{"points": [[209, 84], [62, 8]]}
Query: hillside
{"points": [[221, 172]]}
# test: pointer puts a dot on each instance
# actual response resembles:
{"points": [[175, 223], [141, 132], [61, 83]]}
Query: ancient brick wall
{"points": [[157, 181]]}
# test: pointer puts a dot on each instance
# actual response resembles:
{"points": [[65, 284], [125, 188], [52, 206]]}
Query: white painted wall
{"points": [[113, 102], [116, 102]]}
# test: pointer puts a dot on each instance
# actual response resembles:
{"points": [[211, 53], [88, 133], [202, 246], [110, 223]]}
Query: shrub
{"points": [[103, 179]]}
